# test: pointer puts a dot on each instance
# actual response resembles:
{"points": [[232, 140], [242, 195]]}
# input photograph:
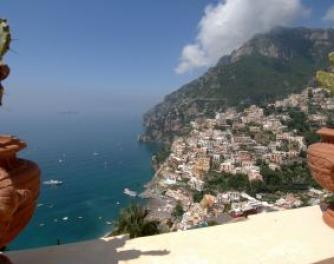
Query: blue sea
{"points": [[96, 155]]}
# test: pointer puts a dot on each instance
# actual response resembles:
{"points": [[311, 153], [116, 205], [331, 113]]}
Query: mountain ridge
{"points": [[267, 67]]}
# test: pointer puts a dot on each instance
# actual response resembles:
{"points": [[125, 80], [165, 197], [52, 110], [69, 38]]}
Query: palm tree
{"points": [[132, 220]]}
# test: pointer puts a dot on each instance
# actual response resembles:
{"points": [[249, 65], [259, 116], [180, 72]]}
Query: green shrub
{"points": [[330, 200], [178, 210], [212, 223], [198, 196], [132, 221]]}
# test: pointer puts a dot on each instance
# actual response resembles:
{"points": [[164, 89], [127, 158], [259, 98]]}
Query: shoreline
{"points": [[211, 171]]}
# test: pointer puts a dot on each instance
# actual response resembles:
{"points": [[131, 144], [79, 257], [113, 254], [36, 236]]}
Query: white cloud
{"points": [[228, 24], [329, 15]]}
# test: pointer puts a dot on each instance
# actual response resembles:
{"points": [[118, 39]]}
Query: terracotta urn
{"points": [[19, 189], [321, 163], [4, 72]]}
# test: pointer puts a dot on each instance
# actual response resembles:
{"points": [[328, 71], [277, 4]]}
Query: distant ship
{"points": [[69, 112], [129, 192], [53, 182]]}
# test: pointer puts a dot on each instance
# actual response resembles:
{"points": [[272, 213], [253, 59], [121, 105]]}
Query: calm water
{"points": [[96, 156]]}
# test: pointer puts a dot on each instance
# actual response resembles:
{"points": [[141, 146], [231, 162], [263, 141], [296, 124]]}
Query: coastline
{"points": [[92, 191], [250, 145]]}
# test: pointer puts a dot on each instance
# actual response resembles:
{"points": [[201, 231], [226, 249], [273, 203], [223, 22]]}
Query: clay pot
{"points": [[329, 216], [4, 260], [321, 163], [19, 189]]}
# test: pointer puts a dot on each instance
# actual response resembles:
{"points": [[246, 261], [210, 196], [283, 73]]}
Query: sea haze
{"points": [[96, 155]]}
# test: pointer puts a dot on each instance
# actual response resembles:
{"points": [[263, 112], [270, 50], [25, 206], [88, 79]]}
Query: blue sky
{"points": [[104, 54]]}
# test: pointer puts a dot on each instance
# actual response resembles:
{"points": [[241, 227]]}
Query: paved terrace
{"points": [[294, 236]]}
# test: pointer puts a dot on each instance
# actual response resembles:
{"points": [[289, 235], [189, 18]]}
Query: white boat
{"points": [[127, 191], [53, 182]]}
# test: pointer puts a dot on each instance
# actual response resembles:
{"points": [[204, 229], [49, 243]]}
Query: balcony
{"points": [[292, 236]]}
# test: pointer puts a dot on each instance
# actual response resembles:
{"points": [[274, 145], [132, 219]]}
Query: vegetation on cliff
{"points": [[290, 178]]}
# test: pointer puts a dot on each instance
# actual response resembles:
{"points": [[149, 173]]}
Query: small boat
{"points": [[127, 191], [53, 182], [118, 203], [65, 218]]}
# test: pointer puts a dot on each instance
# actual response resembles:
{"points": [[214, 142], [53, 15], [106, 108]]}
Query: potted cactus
{"points": [[19, 178], [321, 155], [5, 39], [326, 78]]}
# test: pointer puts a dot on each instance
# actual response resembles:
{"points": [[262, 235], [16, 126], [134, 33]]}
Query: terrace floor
{"points": [[293, 236]]}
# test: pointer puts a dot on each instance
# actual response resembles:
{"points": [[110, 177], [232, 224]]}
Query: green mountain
{"points": [[267, 67]]}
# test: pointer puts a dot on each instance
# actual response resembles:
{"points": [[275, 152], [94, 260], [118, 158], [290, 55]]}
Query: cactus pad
{"points": [[331, 58], [326, 79], [5, 38]]}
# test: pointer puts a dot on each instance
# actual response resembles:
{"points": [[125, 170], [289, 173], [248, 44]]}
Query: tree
{"points": [[178, 210], [162, 154], [239, 182], [257, 186], [298, 121], [311, 138], [310, 93], [198, 196], [132, 220], [330, 120], [270, 178]]}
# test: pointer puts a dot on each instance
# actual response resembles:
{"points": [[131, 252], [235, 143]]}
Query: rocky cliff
{"points": [[268, 67]]}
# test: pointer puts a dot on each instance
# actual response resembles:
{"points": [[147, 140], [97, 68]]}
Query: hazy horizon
{"points": [[106, 55]]}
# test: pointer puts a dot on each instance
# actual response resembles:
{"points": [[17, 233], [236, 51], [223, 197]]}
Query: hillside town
{"points": [[240, 145]]}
